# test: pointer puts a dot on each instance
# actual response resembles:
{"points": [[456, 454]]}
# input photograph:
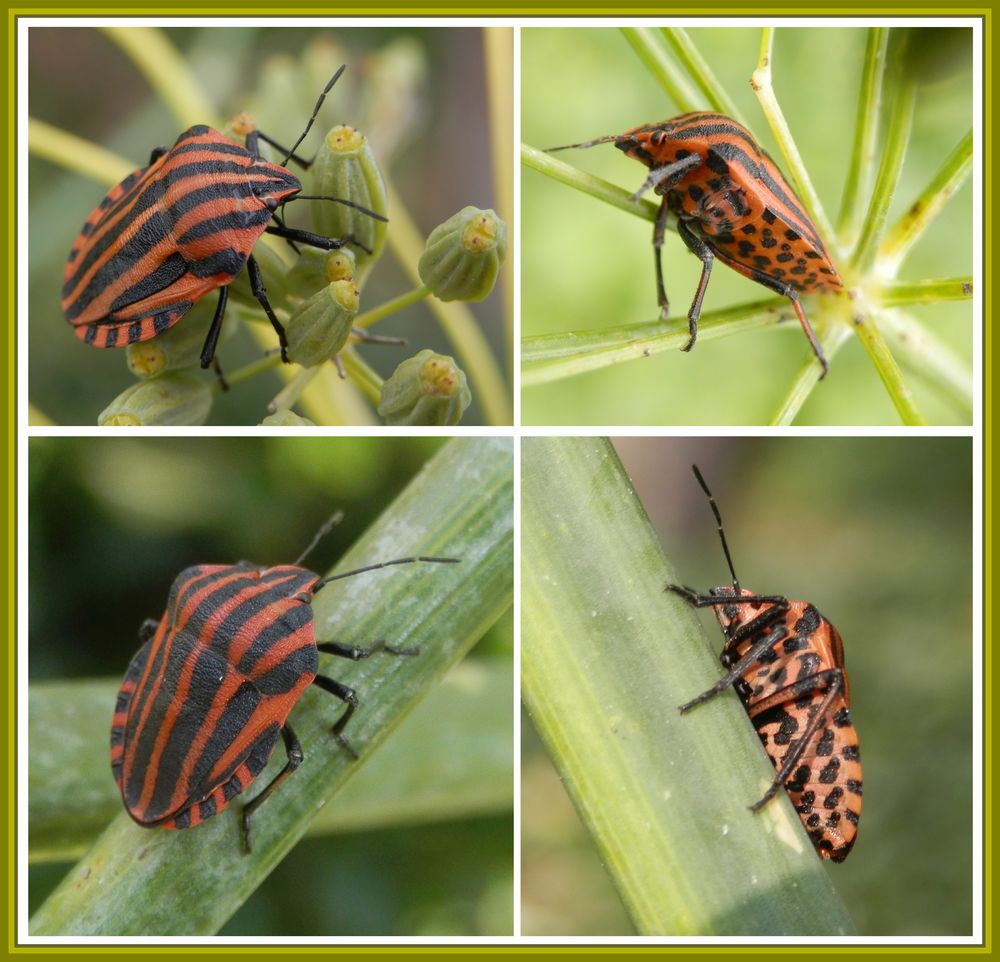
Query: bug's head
{"points": [[273, 185]]}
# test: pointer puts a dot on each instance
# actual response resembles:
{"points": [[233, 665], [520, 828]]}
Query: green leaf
{"points": [[449, 759], [135, 881], [606, 659]]}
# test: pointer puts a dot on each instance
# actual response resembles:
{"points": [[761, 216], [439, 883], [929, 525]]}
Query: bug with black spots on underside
{"points": [[786, 662], [732, 203], [209, 691], [182, 227]]}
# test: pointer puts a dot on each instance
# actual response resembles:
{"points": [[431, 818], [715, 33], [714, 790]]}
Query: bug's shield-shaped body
{"points": [[167, 235], [205, 698], [736, 199], [795, 691]]}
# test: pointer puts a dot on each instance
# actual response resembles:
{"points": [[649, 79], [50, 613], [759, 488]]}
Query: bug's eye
{"points": [[270, 203]]}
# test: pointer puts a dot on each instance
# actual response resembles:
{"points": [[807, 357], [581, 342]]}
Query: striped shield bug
{"points": [[731, 203], [184, 226], [786, 662], [208, 693]]}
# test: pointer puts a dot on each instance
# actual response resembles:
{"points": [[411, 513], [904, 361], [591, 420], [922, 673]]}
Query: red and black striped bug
{"points": [[731, 202], [786, 662], [184, 226], [209, 691]]}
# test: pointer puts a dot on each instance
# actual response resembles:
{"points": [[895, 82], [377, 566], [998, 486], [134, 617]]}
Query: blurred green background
{"points": [[877, 533], [420, 96], [112, 521], [586, 265]]}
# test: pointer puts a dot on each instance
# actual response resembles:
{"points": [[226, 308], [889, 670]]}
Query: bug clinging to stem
{"points": [[732, 203], [207, 695], [786, 662], [184, 226]]}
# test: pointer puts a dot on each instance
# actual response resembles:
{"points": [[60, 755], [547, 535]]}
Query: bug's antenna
{"points": [[382, 564], [722, 534], [330, 523], [319, 103], [586, 143]]}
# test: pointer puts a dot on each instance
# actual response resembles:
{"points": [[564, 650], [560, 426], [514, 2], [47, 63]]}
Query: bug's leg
{"points": [[156, 153], [786, 290], [362, 335], [659, 229], [294, 752], [698, 247], [342, 691], [314, 240], [147, 629], [212, 338], [217, 367], [288, 155], [259, 291], [833, 678]]}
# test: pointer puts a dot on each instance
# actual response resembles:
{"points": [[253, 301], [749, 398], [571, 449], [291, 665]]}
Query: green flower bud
{"points": [[179, 346], [288, 419], [320, 326], [171, 398], [314, 269], [463, 255], [427, 389], [345, 167]]}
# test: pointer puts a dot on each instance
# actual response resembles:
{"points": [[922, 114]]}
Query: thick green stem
{"points": [[687, 53], [762, 87], [901, 293], [367, 318], [901, 107], [606, 658], [859, 170], [648, 45], [897, 242], [808, 378], [551, 357]]}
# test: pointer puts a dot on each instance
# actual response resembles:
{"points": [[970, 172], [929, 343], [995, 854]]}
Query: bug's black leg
{"points": [[294, 752], [343, 692], [786, 290], [698, 247], [314, 240], [281, 223], [260, 292], [212, 338], [147, 629], [288, 155], [217, 367], [156, 153], [832, 677], [659, 229]]}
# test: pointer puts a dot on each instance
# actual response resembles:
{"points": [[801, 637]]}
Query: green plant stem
{"points": [[930, 359], [687, 53], [134, 881], [332, 400], [808, 378], [465, 720], [76, 154], [760, 80], [249, 371], [907, 231], [551, 357], [648, 44], [902, 293], [455, 318], [498, 48], [367, 318], [896, 140], [292, 391], [606, 658], [596, 187], [859, 170], [168, 72], [871, 338], [365, 378]]}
